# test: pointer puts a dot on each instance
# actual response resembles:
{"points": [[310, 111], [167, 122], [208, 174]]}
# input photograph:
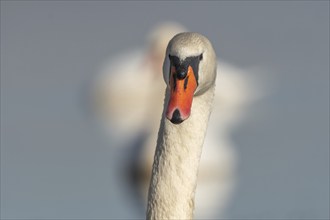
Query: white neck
{"points": [[176, 162]]}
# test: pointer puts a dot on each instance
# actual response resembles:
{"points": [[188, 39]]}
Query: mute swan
{"points": [[189, 72], [128, 94]]}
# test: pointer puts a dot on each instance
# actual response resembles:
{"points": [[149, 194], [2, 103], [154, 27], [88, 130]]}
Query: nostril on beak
{"points": [[181, 74], [176, 117]]}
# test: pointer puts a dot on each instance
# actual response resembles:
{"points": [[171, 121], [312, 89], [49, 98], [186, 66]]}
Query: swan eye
{"points": [[175, 61], [201, 56]]}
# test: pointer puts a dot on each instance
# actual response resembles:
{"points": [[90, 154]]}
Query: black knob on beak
{"points": [[181, 74]]}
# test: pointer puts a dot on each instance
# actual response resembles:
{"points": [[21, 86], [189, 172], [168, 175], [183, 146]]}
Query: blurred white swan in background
{"points": [[128, 99]]}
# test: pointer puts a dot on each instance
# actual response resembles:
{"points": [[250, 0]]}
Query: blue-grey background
{"points": [[55, 163]]}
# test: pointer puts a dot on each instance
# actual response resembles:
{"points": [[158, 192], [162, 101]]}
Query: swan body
{"points": [[128, 96], [181, 136]]}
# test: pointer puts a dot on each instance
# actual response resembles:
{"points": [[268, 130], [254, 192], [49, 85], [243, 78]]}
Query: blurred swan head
{"points": [[157, 41], [129, 84]]}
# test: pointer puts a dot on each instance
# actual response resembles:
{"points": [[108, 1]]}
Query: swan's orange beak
{"points": [[183, 86]]}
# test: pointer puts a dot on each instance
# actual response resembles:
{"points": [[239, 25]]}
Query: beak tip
{"points": [[176, 121], [176, 117]]}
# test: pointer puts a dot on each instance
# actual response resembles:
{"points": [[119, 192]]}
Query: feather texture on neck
{"points": [[175, 169]]}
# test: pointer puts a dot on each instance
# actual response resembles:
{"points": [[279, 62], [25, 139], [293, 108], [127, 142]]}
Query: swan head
{"points": [[189, 70]]}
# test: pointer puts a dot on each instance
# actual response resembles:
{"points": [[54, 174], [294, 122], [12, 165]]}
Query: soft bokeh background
{"points": [[57, 163]]}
